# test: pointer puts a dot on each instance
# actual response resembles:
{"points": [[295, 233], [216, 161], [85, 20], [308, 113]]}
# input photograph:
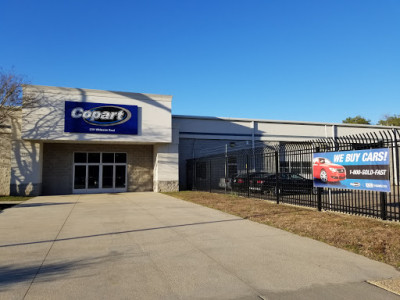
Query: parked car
{"points": [[265, 183], [327, 171], [256, 181], [245, 182], [239, 182], [288, 183]]}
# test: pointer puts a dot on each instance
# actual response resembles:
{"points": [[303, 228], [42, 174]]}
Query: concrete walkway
{"points": [[151, 246]]}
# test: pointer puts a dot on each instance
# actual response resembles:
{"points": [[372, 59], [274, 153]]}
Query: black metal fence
{"points": [[282, 172]]}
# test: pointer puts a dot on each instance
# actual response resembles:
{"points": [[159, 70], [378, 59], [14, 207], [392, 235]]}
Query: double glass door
{"points": [[96, 172]]}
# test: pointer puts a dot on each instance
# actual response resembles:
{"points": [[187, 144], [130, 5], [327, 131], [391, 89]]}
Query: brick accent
{"points": [[58, 166]]}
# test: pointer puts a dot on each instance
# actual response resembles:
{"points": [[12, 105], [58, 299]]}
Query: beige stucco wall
{"points": [[166, 165], [58, 165], [26, 163], [45, 120]]}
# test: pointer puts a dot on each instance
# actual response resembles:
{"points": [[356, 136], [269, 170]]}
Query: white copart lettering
{"points": [[77, 112], [120, 115], [86, 114], [105, 115], [95, 115]]}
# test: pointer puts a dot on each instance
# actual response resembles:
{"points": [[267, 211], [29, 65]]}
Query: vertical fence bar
{"points": [[319, 190], [247, 176], [277, 176], [383, 199], [226, 167], [319, 198], [194, 185], [396, 179], [396, 158], [210, 175]]}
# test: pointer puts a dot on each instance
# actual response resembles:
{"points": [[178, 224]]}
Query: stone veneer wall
{"points": [[166, 186], [58, 165], [5, 162]]}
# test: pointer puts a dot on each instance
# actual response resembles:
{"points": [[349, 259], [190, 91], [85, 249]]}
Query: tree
{"points": [[357, 120], [11, 96], [390, 120]]}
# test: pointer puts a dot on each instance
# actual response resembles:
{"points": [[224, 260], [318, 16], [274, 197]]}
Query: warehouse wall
{"points": [[202, 136]]}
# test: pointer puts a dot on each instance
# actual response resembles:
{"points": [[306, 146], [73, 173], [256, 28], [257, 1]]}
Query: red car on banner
{"points": [[327, 171]]}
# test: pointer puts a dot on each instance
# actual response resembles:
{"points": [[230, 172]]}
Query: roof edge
{"points": [[282, 121], [59, 89]]}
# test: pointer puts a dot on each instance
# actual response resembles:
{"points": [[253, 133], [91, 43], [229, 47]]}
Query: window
{"points": [[108, 158], [93, 157], [120, 157], [80, 157]]}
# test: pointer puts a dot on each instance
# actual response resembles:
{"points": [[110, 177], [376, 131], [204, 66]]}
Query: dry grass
{"points": [[14, 198], [378, 240]]}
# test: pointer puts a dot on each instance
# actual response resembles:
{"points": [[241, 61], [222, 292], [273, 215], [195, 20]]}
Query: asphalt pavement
{"points": [[152, 246]]}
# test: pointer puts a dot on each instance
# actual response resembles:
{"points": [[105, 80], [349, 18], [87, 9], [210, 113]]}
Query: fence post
{"points": [[277, 176], [383, 198], [194, 183], [319, 190], [226, 167], [396, 172], [319, 198], [247, 176], [210, 175]]}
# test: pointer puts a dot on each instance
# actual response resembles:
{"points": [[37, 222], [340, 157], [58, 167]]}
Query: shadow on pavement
{"points": [[10, 274], [42, 204], [118, 232]]}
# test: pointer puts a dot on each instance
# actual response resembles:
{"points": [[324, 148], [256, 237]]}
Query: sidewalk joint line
{"points": [[225, 268], [51, 246]]}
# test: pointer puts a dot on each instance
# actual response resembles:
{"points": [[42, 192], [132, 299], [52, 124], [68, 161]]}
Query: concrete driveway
{"points": [[151, 246]]}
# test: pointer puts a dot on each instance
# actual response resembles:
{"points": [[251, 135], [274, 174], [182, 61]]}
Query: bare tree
{"points": [[11, 96]]}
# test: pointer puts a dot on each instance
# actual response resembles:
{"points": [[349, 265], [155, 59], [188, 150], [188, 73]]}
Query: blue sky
{"points": [[302, 60]]}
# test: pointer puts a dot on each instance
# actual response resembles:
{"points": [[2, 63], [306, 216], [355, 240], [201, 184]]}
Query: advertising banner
{"points": [[357, 170], [87, 117]]}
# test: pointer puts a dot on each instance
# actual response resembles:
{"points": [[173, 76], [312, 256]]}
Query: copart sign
{"points": [[85, 117], [356, 170]]}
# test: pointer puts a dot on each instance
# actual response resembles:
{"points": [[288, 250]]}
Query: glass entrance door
{"points": [[96, 172]]}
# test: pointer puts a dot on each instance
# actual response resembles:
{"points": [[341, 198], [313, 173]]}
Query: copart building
{"points": [[73, 140]]}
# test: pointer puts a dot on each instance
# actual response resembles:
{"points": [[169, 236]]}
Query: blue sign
{"points": [[356, 170], [87, 117]]}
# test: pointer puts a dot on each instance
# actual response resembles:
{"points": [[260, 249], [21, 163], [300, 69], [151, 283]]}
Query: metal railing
{"points": [[282, 172]]}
